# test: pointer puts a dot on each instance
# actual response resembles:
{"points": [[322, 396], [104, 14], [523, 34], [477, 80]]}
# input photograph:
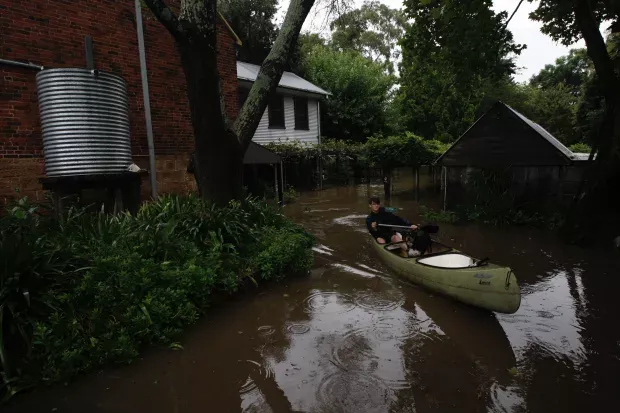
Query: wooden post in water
{"points": [[275, 176], [387, 184], [445, 187], [417, 184]]}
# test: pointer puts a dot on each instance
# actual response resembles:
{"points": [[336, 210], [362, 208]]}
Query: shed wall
{"points": [[501, 139]]}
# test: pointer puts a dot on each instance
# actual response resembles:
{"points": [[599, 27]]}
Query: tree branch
{"points": [[595, 44], [271, 71], [166, 17]]}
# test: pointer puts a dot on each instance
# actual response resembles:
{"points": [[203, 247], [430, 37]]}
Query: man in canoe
{"points": [[378, 215]]}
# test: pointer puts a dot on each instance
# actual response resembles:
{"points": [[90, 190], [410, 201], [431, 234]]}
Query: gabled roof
{"points": [[258, 154], [562, 150], [289, 80], [542, 132]]}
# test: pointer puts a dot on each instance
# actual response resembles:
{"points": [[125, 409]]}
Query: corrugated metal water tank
{"points": [[84, 122]]}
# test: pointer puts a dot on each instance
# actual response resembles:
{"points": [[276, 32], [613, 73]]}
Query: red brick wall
{"points": [[51, 33]]}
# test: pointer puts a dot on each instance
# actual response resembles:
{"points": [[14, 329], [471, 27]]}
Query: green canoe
{"points": [[452, 273]]}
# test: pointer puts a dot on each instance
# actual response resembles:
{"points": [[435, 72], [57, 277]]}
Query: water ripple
{"points": [[380, 301], [328, 302], [298, 328], [353, 392], [266, 331], [363, 350], [249, 386]]}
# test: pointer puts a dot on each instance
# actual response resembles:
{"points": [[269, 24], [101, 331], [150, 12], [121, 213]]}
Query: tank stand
{"points": [[120, 192]]}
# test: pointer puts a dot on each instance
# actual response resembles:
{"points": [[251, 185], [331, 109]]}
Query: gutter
{"points": [[21, 64], [309, 92]]}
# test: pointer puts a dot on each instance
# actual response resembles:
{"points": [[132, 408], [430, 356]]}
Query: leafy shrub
{"points": [[430, 215], [282, 252], [580, 147], [92, 288], [290, 195], [341, 158]]}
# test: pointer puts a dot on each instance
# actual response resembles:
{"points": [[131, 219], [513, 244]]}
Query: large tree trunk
{"points": [[218, 159], [600, 194], [217, 162]]}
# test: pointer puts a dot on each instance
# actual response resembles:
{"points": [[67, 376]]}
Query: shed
{"points": [[502, 139], [257, 164]]}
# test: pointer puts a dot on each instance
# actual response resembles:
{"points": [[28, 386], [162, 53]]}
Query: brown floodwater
{"points": [[352, 337]]}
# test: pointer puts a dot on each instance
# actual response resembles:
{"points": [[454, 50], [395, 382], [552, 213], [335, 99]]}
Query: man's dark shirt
{"points": [[384, 217]]}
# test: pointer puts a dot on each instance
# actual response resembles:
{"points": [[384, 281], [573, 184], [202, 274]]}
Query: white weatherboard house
{"points": [[293, 114]]}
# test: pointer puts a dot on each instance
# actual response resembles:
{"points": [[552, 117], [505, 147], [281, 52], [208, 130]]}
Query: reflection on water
{"points": [[351, 337]]}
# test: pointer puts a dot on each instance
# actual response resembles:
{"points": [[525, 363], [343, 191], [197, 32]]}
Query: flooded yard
{"points": [[353, 337]]}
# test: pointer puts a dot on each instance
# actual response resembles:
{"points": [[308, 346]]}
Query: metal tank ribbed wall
{"points": [[84, 121]]}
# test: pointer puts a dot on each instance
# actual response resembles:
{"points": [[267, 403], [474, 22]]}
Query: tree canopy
{"points": [[450, 54], [572, 70], [253, 22], [374, 30], [360, 92]]}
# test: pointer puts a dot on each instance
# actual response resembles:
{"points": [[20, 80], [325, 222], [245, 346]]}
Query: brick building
{"points": [[51, 33]]}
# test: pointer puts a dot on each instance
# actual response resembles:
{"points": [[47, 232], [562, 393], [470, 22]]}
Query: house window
{"points": [[276, 112], [301, 114]]}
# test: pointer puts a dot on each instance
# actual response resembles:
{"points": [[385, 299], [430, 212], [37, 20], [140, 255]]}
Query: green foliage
{"points": [[572, 71], [281, 253], [450, 56], [305, 43], [360, 92], [253, 22], [430, 215], [555, 108], [295, 151], [384, 152], [93, 289], [373, 30], [558, 18], [290, 195], [580, 147], [396, 151], [590, 110]]}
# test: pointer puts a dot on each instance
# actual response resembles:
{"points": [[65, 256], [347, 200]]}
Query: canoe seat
{"points": [[450, 260]]}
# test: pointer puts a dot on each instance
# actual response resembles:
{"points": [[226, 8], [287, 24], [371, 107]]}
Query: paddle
{"points": [[430, 228]]}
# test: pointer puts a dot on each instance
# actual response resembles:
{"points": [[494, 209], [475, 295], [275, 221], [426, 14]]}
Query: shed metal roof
{"points": [[562, 150], [582, 156], [542, 132], [258, 154], [289, 80]]}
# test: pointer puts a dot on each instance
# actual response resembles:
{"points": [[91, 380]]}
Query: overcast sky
{"points": [[541, 50]]}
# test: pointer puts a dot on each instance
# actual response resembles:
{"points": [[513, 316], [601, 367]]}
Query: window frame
{"points": [[305, 119], [274, 122]]}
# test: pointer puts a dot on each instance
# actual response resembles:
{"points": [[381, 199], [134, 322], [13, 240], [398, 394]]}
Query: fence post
{"points": [[387, 184], [417, 184]]}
